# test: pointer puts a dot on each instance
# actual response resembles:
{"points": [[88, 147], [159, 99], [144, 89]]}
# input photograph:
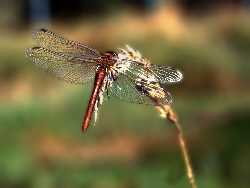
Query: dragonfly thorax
{"points": [[109, 58]]}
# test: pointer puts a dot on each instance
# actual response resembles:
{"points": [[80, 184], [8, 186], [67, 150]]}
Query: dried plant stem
{"points": [[167, 112], [185, 155]]}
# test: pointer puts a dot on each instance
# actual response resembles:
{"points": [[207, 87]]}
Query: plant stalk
{"points": [[167, 112]]}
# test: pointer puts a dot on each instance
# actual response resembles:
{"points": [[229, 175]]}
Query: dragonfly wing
{"points": [[166, 74], [64, 66], [128, 89], [158, 73], [54, 42]]}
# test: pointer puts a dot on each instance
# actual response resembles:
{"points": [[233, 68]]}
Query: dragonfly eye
{"points": [[110, 54]]}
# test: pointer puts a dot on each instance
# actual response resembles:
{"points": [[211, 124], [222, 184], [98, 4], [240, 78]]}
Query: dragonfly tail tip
{"points": [[84, 129]]}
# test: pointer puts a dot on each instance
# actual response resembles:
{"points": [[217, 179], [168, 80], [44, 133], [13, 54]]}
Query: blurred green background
{"points": [[131, 146]]}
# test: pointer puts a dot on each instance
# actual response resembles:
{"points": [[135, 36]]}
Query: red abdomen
{"points": [[99, 79]]}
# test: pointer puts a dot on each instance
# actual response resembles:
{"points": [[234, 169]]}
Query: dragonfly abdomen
{"points": [[99, 79]]}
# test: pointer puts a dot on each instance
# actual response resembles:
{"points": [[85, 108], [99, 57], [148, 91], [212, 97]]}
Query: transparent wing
{"points": [[159, 73], [69, 68], [128, 89], [54, 42], [166, 74]]}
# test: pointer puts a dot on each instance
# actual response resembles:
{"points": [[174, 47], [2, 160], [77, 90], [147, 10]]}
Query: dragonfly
{"points": [[124, 74]]}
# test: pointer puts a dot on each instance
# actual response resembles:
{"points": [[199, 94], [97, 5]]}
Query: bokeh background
{"points": [[41, 145]]}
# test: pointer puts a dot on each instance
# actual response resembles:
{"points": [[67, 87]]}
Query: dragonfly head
{"points": [[110, 54]]}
